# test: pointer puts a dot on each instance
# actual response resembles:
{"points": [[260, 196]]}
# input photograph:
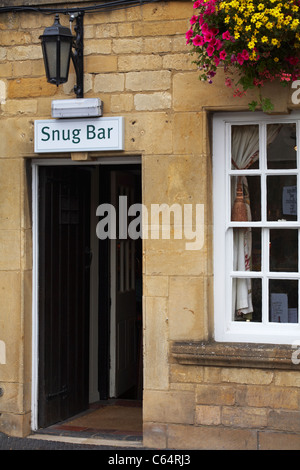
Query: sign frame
{"points": [[92, 135]]}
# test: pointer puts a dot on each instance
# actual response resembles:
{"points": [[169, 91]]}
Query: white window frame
{"points": [[225, 329]]}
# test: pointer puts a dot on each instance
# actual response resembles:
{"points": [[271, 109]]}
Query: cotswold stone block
{"points": [[186, 309], [10, 178], [139, 62], [273, 397], [215, 395], [210, 438], [208, 415], [10, 249], [278, 441], [127, 46], [122, 103], [101, 63], [24, 53], [169, 407], [160, 28], [156, 347], [18, 37], [284, 420], [244, 417], [33, 87], [156, 286], [154, 80], [109, 82], [152, 102], [247, 376]]}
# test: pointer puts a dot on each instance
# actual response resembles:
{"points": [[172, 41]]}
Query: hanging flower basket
{"points": [[256, 41]]}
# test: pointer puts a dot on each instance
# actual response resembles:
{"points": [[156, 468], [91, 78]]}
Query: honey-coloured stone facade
{"points": [[137, 62]]}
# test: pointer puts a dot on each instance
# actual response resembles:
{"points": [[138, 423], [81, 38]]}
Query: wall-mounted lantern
{"points": [[58, 44]]}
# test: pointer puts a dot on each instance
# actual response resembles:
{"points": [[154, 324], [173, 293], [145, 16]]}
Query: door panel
{"points": [[123, 292], [64, 259]]}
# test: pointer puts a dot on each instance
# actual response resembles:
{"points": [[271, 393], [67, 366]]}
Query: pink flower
{"points": [[223, 54], [208, 36], [218, 44], [188, 35], [217, 60], [226, 36], [292, 60], [204, 27], [228, 82], [240, 58], [194, 19], [245, 54], [198, 40], [210, 50], [197, 3]]}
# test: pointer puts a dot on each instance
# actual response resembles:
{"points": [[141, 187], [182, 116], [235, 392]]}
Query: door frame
{"points": [[36, 163]]}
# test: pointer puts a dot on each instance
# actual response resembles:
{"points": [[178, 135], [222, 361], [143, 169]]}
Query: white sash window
{"points": [[256, 227]]}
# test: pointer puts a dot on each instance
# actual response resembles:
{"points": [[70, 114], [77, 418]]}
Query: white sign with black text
{"points": [[79, 135]]}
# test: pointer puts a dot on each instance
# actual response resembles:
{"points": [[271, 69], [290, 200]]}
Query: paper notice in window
{"points": [[293, 315], [279, 308], [289, 200]]}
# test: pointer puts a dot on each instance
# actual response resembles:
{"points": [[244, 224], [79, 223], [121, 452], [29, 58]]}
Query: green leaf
{"points": [[252, 105], [267, 105]]}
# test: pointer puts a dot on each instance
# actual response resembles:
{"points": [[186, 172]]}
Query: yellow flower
{"points": [[269, 25], [274, 41], [264, 39], [276, 59]]}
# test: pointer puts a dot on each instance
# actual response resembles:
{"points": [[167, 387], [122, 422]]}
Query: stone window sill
{"points": [[262, 356]]}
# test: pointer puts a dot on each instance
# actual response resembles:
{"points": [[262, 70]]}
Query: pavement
{"points": [[51, 442]]}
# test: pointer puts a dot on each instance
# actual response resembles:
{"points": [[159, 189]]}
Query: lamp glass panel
{"points": [[65, 49], [51, 51]]}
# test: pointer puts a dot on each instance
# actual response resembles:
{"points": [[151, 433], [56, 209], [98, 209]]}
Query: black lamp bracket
{"points": [[77, 54]]}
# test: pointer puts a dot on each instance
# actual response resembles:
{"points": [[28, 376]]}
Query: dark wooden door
{"points": [[64, 260]]}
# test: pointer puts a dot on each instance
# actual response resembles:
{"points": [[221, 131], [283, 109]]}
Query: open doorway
{"points": [[89, 294]]}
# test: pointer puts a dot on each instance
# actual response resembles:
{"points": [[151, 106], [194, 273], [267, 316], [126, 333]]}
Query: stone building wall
{"points": [[137, 63]]}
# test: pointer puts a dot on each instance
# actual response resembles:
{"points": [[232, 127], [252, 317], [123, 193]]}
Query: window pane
{"points": [[284, 250], [282, 146], [246, 249], [282, 197], [245, 198], [244, 147], [246, 299], [283, 301]]}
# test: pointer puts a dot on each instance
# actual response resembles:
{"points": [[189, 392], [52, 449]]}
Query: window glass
{"points": [[247, 249], [244, 147], [282, 198], [284, 250], [245, 198], [281, 146], [247, 299], [283, 301]]}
